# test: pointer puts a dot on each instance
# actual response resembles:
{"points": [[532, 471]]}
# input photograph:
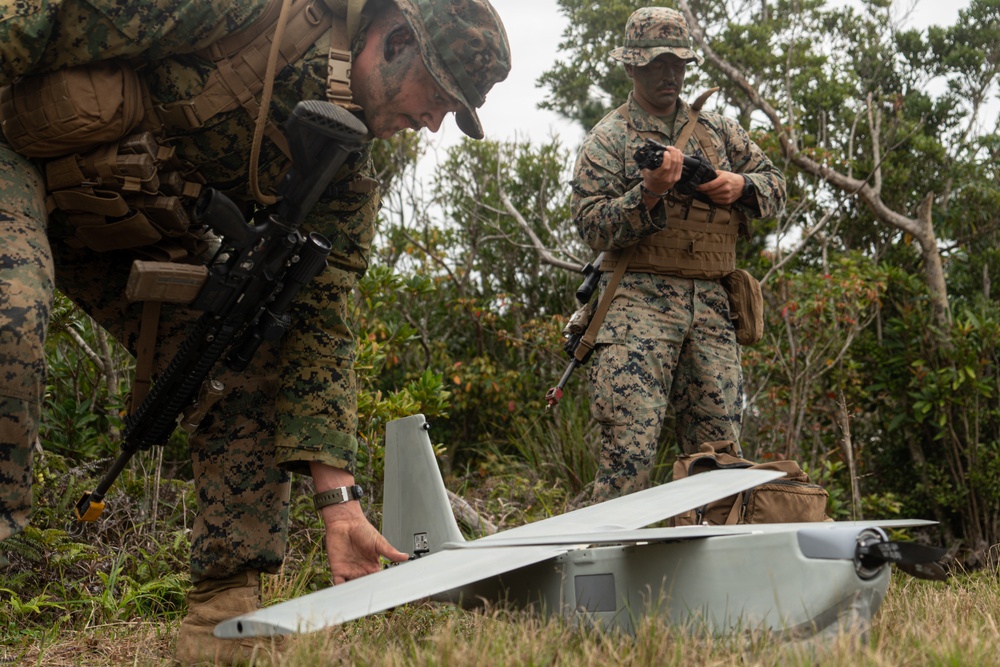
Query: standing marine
{"points": [[667, 338], [115, 116]]}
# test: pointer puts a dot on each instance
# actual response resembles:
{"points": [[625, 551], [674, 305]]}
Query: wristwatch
{"points": [[748, 189], [341, 494]]}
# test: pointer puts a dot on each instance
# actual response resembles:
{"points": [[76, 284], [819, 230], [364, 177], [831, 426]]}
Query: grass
{"points": [[920, 623], [116, 597]]}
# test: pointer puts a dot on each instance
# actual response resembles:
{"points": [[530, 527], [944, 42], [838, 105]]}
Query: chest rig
{"points": [[699, 240], [107, 170]]}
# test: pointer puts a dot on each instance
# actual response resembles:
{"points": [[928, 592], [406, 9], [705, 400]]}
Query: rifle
{"points": [[576, 328], [695, 171], [252, 281]]}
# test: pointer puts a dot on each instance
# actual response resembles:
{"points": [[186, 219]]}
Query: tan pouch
{"points": [[132, 230], [167, 214], [746, 306], [781, 501], [71, 110]]}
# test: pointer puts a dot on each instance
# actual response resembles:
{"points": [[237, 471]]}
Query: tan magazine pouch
{"points": [[746, 306]]}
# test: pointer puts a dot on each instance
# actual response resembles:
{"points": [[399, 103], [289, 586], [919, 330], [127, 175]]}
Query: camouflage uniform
{"points": [[296, 404], [666, 339]]}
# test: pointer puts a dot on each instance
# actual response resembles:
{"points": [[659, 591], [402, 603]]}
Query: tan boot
{"points": [[212, 601]]}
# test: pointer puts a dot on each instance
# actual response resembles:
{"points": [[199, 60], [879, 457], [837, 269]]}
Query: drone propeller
{"points": [[917, 560]]}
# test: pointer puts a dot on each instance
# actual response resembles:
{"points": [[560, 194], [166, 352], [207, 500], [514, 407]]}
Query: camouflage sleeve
{"points": [[317, 403], [746, 157], [42, 35], [607, 208]]}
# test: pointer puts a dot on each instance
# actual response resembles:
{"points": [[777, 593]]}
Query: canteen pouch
{"points": [[789, 499], [71, 110], [746, 306]]}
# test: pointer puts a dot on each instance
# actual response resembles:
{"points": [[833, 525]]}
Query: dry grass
{"points": [[920, 623]]}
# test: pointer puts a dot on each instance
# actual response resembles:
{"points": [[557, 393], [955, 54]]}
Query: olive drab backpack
{"points": [[789, 499]]}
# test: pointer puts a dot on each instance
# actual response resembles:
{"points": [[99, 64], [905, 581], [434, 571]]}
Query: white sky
{"points": [[535, 28]]}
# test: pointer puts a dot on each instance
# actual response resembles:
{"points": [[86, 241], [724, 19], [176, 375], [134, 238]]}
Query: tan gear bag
{"points": [[789, 499], [746, 306], [71, 110]]}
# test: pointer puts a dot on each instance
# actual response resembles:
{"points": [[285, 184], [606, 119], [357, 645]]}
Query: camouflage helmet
{"points": [[465, 48], [653, 31]]}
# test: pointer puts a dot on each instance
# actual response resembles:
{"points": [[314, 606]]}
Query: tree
{"points": [[882, 134]]}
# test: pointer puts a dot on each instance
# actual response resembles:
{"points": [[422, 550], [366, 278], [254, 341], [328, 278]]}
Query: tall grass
{"points": [[920, 623]]}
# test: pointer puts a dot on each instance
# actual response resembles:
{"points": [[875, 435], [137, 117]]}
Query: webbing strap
{"points": [[240, 72], [590, 335], [230, 45]]}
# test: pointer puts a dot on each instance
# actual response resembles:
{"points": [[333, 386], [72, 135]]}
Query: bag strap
{"points": [[733, 517], [589, 339]]}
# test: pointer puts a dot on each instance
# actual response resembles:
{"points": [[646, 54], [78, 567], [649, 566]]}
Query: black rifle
{"points": [[694, 172], [252, 281], [583, 295]]}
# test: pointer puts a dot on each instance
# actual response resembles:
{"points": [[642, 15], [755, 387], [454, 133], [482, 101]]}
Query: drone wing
{"points": [[641, 508], [650, 535], [396, 585], [453, 568]]}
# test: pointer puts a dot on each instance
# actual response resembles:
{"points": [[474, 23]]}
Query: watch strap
{"points": [[337, 496]]}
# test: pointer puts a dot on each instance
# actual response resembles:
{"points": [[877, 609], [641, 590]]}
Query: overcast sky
{"points": [[535, 28]]}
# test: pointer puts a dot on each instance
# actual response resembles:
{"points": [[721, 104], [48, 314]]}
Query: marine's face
{"points": [[403, 95], [657, 85]]}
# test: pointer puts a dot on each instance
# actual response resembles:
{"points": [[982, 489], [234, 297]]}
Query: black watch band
{"points": [[341, 494], [748, 189]]}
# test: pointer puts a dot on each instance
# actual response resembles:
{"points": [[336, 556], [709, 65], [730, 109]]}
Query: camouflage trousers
{"points": [[243, 494], [666, 341]]}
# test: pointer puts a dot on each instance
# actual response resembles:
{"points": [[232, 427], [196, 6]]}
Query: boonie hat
{"points": [[653, 31], [465, 48]]}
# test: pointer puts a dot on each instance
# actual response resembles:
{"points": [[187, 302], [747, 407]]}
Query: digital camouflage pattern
{"points": [[268, 423], [26, 280], [666, 340], [652, 31], [39, 36], [464, 48]]}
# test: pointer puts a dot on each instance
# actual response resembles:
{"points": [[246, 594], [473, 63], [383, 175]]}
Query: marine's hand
{"points": [[723, 190], [353, 546], [660, 180]]}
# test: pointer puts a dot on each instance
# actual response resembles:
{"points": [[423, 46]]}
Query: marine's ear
{"points": [[396, 41]]}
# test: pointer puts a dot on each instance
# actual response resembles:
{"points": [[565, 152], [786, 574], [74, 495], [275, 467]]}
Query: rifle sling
{"points": [[590, 335]]}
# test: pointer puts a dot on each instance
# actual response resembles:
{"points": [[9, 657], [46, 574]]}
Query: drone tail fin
{"points": [[416, 514]]}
